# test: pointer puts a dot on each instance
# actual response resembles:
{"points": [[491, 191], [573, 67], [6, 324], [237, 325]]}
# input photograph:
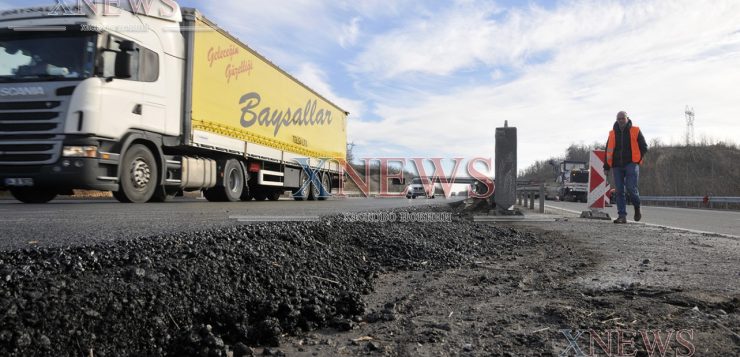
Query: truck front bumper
{"points": [[64, 175], [67, 173]]}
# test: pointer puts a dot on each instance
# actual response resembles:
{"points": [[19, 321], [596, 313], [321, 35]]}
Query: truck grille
{"points": [[29, 153], [28, 131]]}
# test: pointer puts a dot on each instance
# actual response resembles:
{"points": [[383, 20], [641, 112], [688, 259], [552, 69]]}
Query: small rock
{"points": [[468, 347], [44, 342], [24, 340], [136, 272], [373, 346], [273, 352], [241, 350], [343, 324], [443, 326], [327, 342], [646, 262]]}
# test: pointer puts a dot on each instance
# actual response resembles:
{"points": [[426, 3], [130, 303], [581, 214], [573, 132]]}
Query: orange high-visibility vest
{"points": [[612, 144]]}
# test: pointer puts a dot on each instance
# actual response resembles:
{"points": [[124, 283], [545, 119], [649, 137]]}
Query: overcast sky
{"points": [[435, 78]]}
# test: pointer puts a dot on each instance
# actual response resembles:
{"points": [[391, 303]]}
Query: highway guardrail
{"points": [[527, 194], [725, 202]]}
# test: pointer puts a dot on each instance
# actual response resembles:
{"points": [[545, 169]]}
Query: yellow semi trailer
{"points": [[176, 105]]}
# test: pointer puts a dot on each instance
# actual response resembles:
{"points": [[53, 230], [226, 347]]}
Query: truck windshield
{"points": [[28, 57], [579, 176]]}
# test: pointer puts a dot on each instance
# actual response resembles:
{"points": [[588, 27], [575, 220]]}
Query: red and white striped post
{"points": [[597, 187]]}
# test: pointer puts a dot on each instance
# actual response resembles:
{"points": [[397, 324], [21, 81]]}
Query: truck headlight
{"points": [[80, 151]]}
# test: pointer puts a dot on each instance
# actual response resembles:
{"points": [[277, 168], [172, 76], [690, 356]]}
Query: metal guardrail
{"points": [[726, 202], [526, 196], [716, 199]]}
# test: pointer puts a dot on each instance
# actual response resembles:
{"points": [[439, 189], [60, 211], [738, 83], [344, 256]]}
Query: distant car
{"points": [[418, 189]]}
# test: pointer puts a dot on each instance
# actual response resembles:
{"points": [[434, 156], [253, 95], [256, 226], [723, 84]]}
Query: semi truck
{"points": [[150, 102]]}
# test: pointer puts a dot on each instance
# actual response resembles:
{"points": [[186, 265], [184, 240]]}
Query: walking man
{"points": [[625, 150]]}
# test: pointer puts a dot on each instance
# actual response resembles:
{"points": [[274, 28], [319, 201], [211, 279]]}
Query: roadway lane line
{"points": [[657, 225], [690, 230], [563, 209]]}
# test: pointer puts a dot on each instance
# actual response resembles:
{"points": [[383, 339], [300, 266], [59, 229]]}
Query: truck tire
{"points": [[232, 185], [139, 176], [274, 195], [301, 193], [326, 183], [33, 195], [314, 190]]}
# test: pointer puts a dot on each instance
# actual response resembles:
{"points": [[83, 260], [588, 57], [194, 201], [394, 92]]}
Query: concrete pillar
{"points": [[505, 163]]}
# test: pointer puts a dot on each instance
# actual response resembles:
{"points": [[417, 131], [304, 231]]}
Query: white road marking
{"points": [[657, 225]]}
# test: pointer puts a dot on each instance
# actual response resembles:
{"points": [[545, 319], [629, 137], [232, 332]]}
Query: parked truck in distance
{"points": [[177, 104], [572, 180]]}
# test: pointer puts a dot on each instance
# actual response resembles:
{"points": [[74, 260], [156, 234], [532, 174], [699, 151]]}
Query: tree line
{"points": [[705, 168]]}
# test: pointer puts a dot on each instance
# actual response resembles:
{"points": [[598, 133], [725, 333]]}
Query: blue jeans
{"points": [[626, 177]]}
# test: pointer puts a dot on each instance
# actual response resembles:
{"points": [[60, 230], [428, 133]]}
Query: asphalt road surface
{"points": [[700, 220], [82, 222]]}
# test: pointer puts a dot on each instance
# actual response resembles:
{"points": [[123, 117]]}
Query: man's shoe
{"points": [[620, 220], [638, 214]]}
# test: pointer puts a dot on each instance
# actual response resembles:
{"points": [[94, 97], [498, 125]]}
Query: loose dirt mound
{"points": [[203, 293]]}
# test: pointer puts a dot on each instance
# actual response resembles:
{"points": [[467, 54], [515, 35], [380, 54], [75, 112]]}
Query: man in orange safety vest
{"points": [[625, 150]]}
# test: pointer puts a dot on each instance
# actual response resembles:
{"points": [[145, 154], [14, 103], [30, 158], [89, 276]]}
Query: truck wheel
{"points": [[301, 193], [139, 177], [33, 195], [233, 180], [314, 190], [232, 185], [274, 195], [326, 183]]}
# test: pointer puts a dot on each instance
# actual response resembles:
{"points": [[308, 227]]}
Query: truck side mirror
{"points": [[123, 60]]}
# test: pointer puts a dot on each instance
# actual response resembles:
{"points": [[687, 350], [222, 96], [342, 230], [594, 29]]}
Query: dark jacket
{"points": [[623, 149]]}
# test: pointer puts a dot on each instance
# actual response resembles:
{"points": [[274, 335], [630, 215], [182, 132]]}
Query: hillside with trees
{"points": [[694, 170]]}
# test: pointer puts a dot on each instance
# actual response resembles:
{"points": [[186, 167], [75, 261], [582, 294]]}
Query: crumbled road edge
{"points": [[206, 293]]}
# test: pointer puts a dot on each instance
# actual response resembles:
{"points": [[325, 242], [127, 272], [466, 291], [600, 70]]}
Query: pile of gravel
{"points": [[204, 293]]}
